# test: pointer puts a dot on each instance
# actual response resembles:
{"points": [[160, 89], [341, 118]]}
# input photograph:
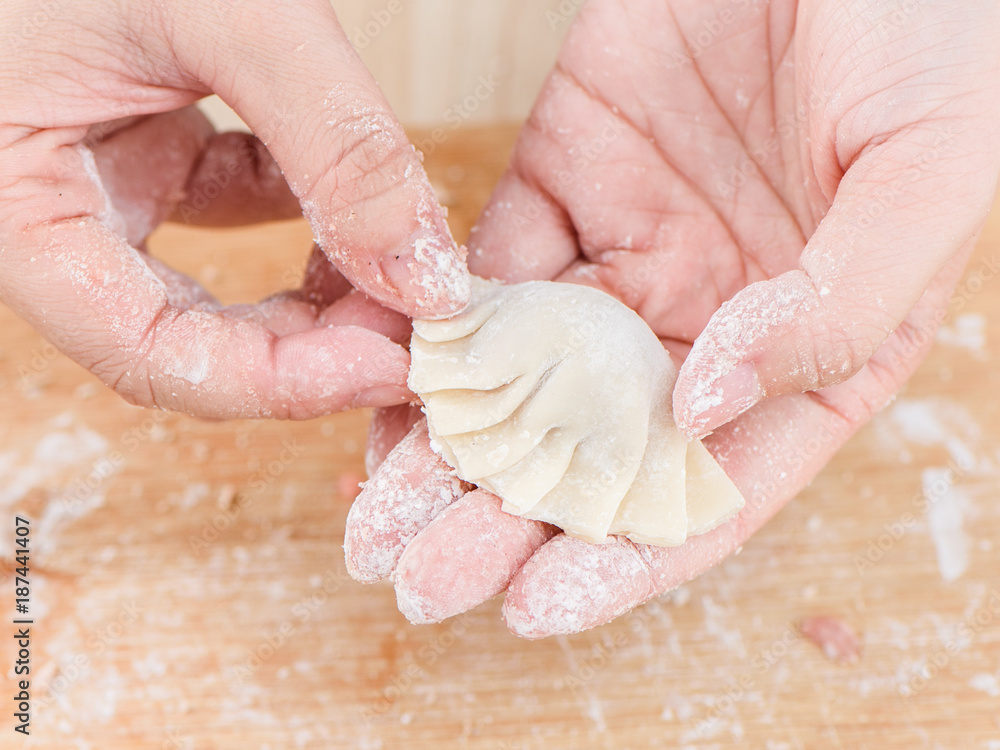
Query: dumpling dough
{"points": [[557, 398]]}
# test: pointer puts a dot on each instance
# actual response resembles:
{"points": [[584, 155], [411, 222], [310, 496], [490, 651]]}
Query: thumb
{"points": [[291, 73], [887, 234]]}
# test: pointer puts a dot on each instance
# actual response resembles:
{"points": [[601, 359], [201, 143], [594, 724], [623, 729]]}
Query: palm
{"points": [[680, 153], [719, 165], [665, 216]]}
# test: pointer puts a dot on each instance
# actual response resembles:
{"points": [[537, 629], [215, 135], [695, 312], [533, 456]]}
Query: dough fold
{"points": [[557, 398]]}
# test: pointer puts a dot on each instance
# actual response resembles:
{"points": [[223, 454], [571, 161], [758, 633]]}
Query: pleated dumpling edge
{"points": [[557, 398]]}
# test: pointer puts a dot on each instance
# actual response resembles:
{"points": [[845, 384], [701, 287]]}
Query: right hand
{"points": [[865, 152]]}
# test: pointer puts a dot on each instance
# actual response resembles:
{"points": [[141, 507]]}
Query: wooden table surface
{"points": [[189, 590]]}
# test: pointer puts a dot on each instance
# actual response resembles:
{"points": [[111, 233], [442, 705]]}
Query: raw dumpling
{"points": [[557, 398]]}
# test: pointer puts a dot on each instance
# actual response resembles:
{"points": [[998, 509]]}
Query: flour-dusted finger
{"points": [[358, 309], [410, 488], [467, 555], [388, 427]]}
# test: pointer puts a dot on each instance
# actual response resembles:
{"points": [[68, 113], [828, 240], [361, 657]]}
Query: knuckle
{"points": [[844, 345]]}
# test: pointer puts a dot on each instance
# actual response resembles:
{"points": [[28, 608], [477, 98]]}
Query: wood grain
{"points": [[195, 596]]}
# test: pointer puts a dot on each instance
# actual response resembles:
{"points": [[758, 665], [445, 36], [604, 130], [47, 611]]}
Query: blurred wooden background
{"points": [[428, 55], [192, 595]]}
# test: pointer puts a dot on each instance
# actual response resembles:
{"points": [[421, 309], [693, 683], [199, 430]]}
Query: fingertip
{"points": [[322, 370], [357, 309], [467, 555], [382, 395], [571, 585], [708, 396], [428, 275], [410, 488], [417, 609]]}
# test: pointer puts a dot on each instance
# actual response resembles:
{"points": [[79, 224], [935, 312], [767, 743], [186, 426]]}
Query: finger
{"points": [[323, 283], [183, 292], [235, 181], [294, 77], [771, 453], [388, 427], [282, 314], [173, 165], [817, 326], [97, 300], [357, 309], [145, 164], [403, 496], [466, 555], [67, 272], [570, 585]]}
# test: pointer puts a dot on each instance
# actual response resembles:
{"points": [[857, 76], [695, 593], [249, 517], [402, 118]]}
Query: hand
{"points": [[98, 145], [786, 194]]}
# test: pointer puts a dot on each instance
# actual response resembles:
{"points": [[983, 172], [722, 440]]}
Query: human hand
{"points": [[787, 194], [98, 144]]}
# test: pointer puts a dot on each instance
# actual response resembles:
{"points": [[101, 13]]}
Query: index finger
{"points": [[294, 77]]}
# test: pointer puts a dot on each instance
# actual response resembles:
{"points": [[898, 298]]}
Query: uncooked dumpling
{"points": [[557, 398]]}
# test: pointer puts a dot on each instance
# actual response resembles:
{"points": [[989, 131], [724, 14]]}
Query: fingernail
{"points": [[429, 270], [713, 403], [382, 395]]}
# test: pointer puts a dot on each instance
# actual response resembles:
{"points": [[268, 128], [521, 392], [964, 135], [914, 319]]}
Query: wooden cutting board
{"points": [[188, 584]]}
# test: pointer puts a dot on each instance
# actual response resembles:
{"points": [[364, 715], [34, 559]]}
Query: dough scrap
{"points": [[557, 398]]}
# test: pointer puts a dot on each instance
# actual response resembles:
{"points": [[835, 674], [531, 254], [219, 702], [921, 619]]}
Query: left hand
{"points": [[99, 143]]}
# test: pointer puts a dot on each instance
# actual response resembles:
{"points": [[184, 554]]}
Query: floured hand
{"points": [[98, 144], [826, 186]]}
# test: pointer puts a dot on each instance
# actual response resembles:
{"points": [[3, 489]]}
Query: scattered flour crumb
{"points": [[946, 514], [986, 683], [966, 332]]}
